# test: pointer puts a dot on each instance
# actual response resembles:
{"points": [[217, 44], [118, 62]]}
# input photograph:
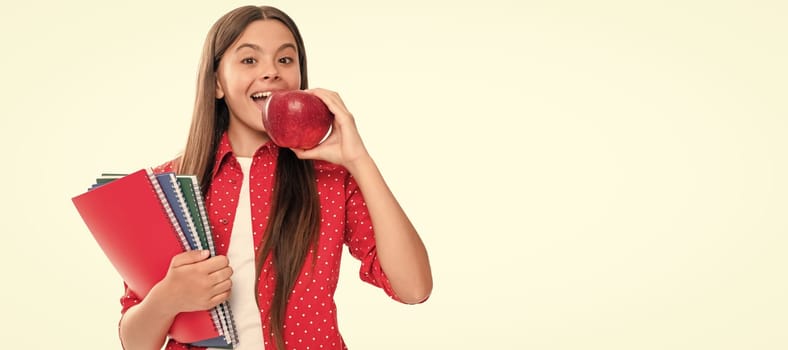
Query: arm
{"points": [[193, 282], [145, 325], [400, 250]]}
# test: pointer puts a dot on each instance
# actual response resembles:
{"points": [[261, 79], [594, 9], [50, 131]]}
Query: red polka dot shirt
{"points": [[311, 319]]}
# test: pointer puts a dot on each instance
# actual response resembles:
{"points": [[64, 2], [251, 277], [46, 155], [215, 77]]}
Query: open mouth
{"points": [[257, 96], [260, 98]]}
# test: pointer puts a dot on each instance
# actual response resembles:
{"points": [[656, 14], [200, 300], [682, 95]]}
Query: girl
{"points": [[280, 216]]}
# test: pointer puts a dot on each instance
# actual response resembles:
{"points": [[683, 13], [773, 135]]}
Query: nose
{"points": [[269, 73]]}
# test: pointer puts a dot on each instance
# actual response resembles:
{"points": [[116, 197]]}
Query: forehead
{"points": [[267, 34]]}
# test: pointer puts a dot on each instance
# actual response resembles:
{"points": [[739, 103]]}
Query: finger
{"points": [[213, 264], [332, 101], [320, 92], [224, 287], [219, 298], [221, 287], [306, 153], [189, 257], [221, 275]]}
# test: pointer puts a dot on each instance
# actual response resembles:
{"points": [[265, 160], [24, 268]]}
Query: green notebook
{"points": [[189, 187]]}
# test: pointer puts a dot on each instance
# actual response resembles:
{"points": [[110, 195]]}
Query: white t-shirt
{"points": [[240, 253]]}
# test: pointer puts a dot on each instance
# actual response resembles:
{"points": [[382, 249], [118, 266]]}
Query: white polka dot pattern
{"points": [[310, 321]]}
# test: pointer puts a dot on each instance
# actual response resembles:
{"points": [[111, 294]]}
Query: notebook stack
{"points": [[141, 220]]}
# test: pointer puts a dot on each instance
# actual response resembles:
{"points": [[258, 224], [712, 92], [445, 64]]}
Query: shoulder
{"points": [[168, 166]]}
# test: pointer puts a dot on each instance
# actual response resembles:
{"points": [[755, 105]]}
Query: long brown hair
{"points": [[295, 208]]}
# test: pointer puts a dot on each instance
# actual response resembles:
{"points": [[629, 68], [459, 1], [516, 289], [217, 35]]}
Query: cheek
{"points": [[238, 91], [234, 80], [297, 85], [294, 78]]}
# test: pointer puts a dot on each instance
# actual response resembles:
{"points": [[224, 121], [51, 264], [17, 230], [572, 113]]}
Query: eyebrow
{"points": [[257, 47]]}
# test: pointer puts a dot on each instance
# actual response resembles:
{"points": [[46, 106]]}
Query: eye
{"points": [[249, 60], [286, 60]]}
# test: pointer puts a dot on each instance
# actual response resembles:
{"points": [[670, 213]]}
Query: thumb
{"points": [[304, 153], [189, 257]]}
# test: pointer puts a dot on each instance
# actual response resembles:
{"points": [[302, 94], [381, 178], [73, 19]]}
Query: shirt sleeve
{"points": [[128, 299], [166, 167], [360, 239]]}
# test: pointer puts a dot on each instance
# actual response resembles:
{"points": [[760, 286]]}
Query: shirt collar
{"points": [[224, 150]]}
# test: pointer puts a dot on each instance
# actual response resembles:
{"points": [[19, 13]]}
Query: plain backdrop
{"points": [[585, 174]]}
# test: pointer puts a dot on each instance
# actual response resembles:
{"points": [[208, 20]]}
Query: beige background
{"points": [[585, 174]]}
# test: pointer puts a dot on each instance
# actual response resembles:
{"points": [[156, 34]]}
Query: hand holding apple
{"points": [[296, 119], [344, 145]]}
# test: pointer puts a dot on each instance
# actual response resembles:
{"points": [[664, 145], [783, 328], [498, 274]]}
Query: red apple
{"points": [[296, 119]]}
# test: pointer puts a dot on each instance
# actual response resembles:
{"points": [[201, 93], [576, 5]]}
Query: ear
{"points": [[219, 89]]}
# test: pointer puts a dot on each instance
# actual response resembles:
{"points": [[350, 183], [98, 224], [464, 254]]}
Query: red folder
{"points": [[135, 231]]}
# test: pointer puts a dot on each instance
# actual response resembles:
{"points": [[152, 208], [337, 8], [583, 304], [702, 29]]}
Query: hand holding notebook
{"points": [[197, 281]]}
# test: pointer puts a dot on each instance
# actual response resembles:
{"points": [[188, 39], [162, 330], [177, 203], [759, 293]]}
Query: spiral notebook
{"points": [[140, 221]]}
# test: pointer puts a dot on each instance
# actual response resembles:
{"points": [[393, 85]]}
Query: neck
{"points": [[245, 141]]}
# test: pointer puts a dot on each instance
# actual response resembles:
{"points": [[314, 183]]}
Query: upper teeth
{"points": [[260, 95]]}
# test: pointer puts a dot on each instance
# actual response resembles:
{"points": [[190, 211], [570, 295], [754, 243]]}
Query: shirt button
{"points": [[223, 221]]}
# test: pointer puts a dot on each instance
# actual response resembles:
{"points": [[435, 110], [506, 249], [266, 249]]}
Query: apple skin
{"points": [[296, 119]]}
